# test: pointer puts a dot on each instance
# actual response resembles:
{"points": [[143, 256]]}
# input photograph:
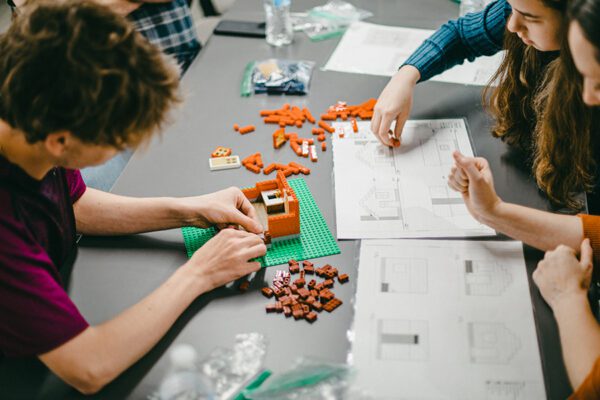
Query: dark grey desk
{"points": [[111, 274]]}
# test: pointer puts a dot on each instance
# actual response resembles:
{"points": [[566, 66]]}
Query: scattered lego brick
{"points": [[303, 300], [332, 305], [244, 286], [246, 129], [221, 152], [220, 163], [236, 127], [323, 146], [311, 317], [354, 125], [326, 126]]}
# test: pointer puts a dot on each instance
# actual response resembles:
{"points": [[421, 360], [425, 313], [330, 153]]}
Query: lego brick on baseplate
{"points": [[315, 238]]}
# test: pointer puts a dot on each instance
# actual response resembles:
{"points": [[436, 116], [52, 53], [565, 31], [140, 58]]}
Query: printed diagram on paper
{"points": [[401, 193], [447, 319], [380, 50]]}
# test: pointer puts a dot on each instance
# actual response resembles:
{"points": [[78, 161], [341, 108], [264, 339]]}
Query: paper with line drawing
{"points": [[441, 319], [385, 193]]}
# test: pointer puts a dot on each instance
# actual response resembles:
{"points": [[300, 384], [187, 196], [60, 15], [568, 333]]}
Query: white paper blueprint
{"points": [[442, 319], [383, 193], [380, 50]]}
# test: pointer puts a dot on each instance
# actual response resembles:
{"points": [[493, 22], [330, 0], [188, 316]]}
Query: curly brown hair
{"points": [[538, 106], [74, 65]]}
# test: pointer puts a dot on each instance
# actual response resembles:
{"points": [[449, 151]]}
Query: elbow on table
{"points": [[90, 379]]}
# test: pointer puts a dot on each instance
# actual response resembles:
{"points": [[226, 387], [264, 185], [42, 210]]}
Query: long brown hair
{"points": [[538, 106]]}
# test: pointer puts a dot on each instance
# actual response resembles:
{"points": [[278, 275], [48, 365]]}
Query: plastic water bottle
{"points": [[183, 382], [279, 24], [469, 6]]}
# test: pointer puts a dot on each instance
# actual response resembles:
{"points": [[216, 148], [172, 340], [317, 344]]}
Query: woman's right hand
{"points": [[394, 104]]}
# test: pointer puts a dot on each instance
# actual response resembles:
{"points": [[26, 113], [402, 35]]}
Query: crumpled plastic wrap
{"points": [[309, 379], [329, 20], [277, 77]]}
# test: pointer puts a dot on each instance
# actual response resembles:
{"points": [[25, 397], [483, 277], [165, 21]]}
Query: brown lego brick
{"points": [[299, 282], [310, 300], [303, 293], [278, 307], [302, 274], [296, 307], [244, 286], [319, 286], [317, 306], [311, 317], [328, 283], [270, 308], [294, 269], [314, 293], [287, 311], [305, 308], [294, 289], [292, 261], [310, 270], [325, 296], [298, 314], [332, 305], [278, 292], [311, 284], [267, 292], [343, 278], [329, 274], [307, 263]]}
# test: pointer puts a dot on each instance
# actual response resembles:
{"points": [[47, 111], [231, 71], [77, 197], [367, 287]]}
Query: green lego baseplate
{"points": [[315, 238]]}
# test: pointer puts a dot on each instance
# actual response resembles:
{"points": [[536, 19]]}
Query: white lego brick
{"points": [[220, 163]]}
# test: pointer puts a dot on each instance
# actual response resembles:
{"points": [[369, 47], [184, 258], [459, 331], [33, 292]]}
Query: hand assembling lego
{"points": [[473, 178], [394, 104], [225, 258], [223, 209]]}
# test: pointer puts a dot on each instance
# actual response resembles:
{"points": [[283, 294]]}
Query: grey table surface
{"points": [[112, 274]]}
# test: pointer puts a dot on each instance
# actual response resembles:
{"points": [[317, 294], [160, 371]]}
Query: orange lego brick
{"points": [[324, 146], [298, 123], [329, 117], [236, 127], [321, 137], [354, 125], [247, 129], [253, 168], [326, 126], [308, 115], [344, 116], [272, 119], [258, 160], [279, 138], [270, 168], [266, 113], [221, 152]]}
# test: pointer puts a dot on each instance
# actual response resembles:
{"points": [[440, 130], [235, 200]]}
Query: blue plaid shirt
{"points": [[170, 27], [471, 36]]}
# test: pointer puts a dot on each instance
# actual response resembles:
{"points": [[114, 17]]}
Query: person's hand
{"points": [[225, 208], [225, 258], [560, 276], [473, 178], [394, 104]]}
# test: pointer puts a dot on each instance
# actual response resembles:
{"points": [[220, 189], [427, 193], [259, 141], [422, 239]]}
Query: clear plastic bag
{"points": [[331, 19], [277, 77], [307, 379]]}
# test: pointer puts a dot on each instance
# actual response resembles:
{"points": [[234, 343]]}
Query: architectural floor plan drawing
{"points": [[445, 319], [401, 193]]}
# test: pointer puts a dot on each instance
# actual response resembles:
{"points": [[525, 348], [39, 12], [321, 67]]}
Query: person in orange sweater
{"points": [[562, 277]]}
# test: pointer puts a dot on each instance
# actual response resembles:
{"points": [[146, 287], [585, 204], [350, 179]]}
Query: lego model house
{"points": [[277, 207]]}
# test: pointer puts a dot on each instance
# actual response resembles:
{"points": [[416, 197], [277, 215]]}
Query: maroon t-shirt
{"points": [[37, 238]]}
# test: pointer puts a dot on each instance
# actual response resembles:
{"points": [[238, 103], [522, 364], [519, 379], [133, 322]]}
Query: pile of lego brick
{"points": [[300, 299], [293, 116]]}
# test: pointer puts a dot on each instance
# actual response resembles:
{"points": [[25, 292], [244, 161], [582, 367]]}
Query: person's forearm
{"points": [[101, 213], [103, 352], [579, 337], [539, 229]]}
